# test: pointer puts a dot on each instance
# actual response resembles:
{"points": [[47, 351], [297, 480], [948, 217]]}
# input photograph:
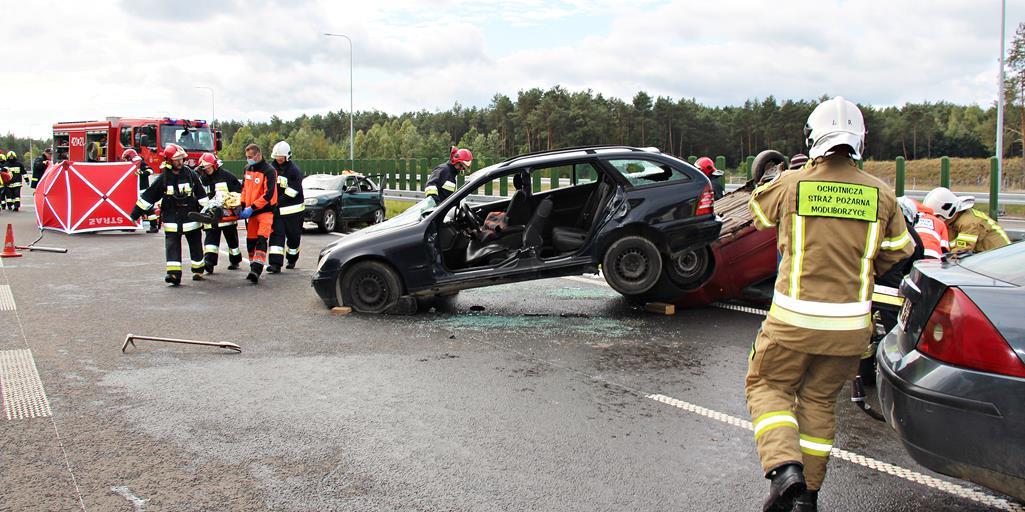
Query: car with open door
{"points": [[636, 213], [335, 200]]}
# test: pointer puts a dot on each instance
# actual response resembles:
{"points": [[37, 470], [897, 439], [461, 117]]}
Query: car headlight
{"points": [[310, 201]]}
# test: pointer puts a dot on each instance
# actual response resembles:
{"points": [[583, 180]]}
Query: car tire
{"points": [[370, 287], [330, 221], [765, 161], [632, 265], [691, 269], [378, 217]]}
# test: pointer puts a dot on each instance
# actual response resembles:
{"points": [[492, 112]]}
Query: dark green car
{"points": [[335, 201]]}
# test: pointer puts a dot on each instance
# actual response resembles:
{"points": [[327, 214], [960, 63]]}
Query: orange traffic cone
{"points": [[9, 251]]}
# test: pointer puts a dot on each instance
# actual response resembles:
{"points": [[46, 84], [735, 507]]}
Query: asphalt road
{"points": [[543, 400]]}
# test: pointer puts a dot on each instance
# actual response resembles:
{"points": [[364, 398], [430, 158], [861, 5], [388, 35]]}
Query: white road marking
{"points": [[868, 462], [20, 388], [138, 504], [7, 298]]}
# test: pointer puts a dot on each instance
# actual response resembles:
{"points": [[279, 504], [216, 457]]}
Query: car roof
{"points": [[557, 155]]}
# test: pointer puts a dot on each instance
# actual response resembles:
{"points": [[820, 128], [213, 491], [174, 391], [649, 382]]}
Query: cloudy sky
{"points": [[88, 60]]}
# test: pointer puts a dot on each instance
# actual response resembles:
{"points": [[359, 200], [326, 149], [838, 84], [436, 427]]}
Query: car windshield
{"points": [[322, 182], [191, 139], [1006, 263]]}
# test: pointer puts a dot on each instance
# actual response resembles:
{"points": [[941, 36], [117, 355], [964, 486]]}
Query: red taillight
{"points": [[705, 204], [959, 333]]}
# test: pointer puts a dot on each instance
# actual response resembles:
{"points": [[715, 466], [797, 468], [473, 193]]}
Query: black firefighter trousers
{"points": [[212, 244], [193, 234], [284, 240]]}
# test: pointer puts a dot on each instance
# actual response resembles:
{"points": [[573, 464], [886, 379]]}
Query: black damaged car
{"points": [[644, 217]]}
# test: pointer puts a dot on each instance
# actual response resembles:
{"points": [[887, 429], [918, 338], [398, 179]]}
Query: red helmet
{"points": [[706, 166], [129, 155], [463, 156], [172, 151], [208, 160]]}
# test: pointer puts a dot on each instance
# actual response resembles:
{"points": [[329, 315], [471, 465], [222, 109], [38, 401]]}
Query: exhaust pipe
{"points": [[858, 397]]}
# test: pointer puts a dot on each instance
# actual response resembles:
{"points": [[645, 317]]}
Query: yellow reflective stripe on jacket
{"points": [[773, 420], [834, 309], [291, 192], [897, 243], [174, 265], [964, 240], [759, 214], [797, 256], [887, 295], [450, 186], [143, 204], [820, 323], [275, 249], [431, 190], [871, 244], [992, 224], [198, 264], [815, 446], [295, 208], [191, 226], [210, 249]]}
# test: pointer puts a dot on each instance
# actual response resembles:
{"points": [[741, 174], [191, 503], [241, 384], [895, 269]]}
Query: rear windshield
{"points": [[645, 172], [1006, 263]]}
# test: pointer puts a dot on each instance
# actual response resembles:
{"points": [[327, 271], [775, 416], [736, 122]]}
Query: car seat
{"points": [[499, 249], [570, 238]]}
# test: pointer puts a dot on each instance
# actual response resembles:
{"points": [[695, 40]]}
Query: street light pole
{"points": [[213, 113], [1000, 103], [351, 137]]}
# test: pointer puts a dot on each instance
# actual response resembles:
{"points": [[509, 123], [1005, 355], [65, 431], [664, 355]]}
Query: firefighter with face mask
{"points": [[178, 189], [969, 229], [288, 221], [143, 171], [13, 188], [259, 201], [219, 183], [838, 228], [442, 182]]}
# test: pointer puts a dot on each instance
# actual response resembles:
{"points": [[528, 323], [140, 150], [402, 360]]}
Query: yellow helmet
{"points": [[2, 156], [12, 155]]}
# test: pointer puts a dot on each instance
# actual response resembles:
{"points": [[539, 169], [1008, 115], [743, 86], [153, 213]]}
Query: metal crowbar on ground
{"points": [[219, 344], [33, 247]]}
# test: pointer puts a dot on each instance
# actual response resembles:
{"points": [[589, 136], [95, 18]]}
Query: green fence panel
{"points": [[460, 180], [692, 159], [994, 187], [898, 179], [553, 178], [489, 187], [424, 166], [750, 167], [945, 172], [535, 178], [503, 186], [403, 179]]}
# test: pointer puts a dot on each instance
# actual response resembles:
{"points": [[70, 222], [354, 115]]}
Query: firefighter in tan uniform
{"points": [[838, 228], [969, 229]]}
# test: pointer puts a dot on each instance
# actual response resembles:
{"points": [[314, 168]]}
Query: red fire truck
{"points": [[104, 141]]}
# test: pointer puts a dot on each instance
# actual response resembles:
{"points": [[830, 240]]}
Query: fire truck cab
{"points": [[104, 141]]}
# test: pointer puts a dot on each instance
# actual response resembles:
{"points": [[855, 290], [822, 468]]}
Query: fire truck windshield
{"points": [[191, 139]]}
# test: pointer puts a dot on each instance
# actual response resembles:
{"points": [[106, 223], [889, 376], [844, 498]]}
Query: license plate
{"points": [[905, 312]]}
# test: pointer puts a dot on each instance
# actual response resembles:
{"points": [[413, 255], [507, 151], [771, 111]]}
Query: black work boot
{"points": [[808, 501], [198, 277], [787, 483], [172, 279], [208, 268], [233, 266], [273, 270], [254, 277]]}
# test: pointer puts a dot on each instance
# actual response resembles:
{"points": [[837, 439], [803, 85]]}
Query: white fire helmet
{"points": [[281, 149], [835, 122], [945, 204]]}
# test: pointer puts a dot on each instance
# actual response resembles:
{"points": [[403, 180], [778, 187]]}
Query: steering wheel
{"points": [[466, 217]]}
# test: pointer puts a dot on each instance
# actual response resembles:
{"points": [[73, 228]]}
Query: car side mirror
{"points": [[351, 190]]}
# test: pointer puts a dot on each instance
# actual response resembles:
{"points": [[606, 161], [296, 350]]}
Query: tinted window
{"points": [[1006, 263], [646, 172]]}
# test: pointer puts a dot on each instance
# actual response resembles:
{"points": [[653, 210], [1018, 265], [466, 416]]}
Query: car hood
{"points": [[321, 194], [367, 234]]}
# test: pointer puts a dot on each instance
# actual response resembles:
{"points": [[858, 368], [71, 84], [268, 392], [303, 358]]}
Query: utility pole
{"points": [[1000, 102], [351, 138]]}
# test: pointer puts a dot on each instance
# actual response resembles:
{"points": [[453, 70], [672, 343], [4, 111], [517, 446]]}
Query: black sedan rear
{"points": [[952, 373], [635, 212]]}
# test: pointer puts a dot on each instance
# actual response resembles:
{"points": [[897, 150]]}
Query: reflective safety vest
{"points": [[837, 229], [933, 232], [973, 230]]}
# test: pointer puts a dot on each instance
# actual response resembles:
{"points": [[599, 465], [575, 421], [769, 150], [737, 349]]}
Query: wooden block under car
{"points": [[660, 308], [341, 310]]}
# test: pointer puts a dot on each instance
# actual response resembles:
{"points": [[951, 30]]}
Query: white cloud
{"points": [[90, 60]]}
